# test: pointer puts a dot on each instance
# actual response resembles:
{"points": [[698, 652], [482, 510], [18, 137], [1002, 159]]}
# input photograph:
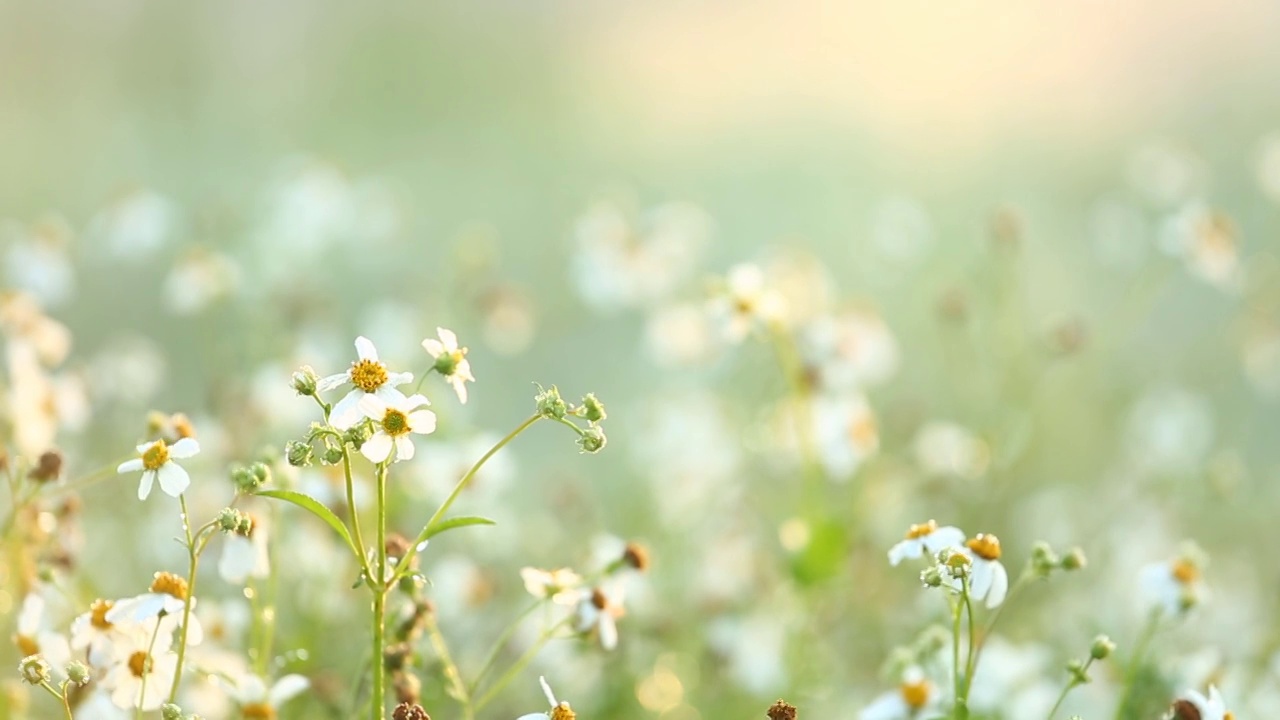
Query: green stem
{"points": [[1072, 684], [355, 513], [193, 555], [379, 586], [501, 643], [62, 697], [957, 610], [142, 687], [519, 665], [451, 671], [971, 659], [1135, 661], [403, 566]]}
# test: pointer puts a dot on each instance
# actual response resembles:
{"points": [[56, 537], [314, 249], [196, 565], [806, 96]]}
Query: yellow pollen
{"points": [[1228, 715], [368, 375], [98, 614], [916, 532], [562, 712], [395, 423], [744, 305], [985, 546], [258, 711], [915, 694], [1185, 571], [155, 456], [27, 645], [170, 584], [139, 664]]}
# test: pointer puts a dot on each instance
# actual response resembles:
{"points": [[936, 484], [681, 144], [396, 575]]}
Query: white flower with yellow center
{"points": [[1174, 586], [96, 637], [1194, 706], [559, 586], [258, 702], [141, 672], [598, 613], [926, 536], [558, 711], [914, 696], [156, 461], [34, 638], [245, 556], [166, 600], [987, 576], [393, 421], [451, 361], [746, 302], [369, 376]]}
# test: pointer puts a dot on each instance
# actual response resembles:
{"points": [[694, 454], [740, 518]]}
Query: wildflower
{"points": [[947, 449], [166, 599], [33, 638], [156, 461], [141, 672], [782, 710], [393, 421], [847, 433], [854, 349], [1175, 586], [558, 711], [560, 586], [35, 670], [987, 577], [746, 302], [451, 361], [369, 376], [96, 636], [1194, 706], [598, 613], [1206, 241], [925, 537], [915, 695], [256, 700], [244, 554]]}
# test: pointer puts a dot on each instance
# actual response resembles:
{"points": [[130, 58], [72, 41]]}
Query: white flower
{"points": [[165, 601], [96, 636], [598, 613], [1207, 708], [915, 695], [256, 700], [853, 350], [558, 711], [451, 361], [370, 377], [987, 576], [245, 556], [393, 421], [847, 433], [746, 302], [136, 658], [925, 536], [947, 449], [156, 463], [33, 638], [1174, 586], [560, 585], [1206, 241]]}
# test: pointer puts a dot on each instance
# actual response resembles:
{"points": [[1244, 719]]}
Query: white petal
{"points": [[460, 387], [326, 384], [347, 412], [372, 407], [286, 688], [533, 716], [184, 448], [546, 690], [413, 402], [999, 584], [365, 349], [377, 448], [173, 479], [404, 448], [450, 343], [146, 446], [608, 631], [237, 560], [434, 347], [394, 379], [905, 549], [888, 706], [129, 466], [944, 537], [422, 421], [29, 617], [195, 632], [980, 578], [144, 486]]}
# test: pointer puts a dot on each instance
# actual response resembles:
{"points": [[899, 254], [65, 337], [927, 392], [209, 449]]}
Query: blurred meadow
{"points": [[834, 269]]}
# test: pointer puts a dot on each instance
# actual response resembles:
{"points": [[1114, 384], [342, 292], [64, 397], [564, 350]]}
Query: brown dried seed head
{"points": [[409, 711], [48, 468], [637, 556], [782, 710]]}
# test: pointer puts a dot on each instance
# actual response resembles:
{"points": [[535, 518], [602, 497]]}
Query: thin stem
{"points": [[193, 555], [1072, 684], [421, 379], [519, 665], [451, 671], [355, 514], [142, 687], [1135, 661], [403, 565], [957, 608], [379, 586], [62, 697], [971, 659], [501, 643]]}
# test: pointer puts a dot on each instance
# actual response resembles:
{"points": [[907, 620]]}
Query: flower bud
{"points": [[228, 519], [592, 440], [332, 455], [169, 711], [358, 433], [636, 556], [549, 403], [1101, 648], [34, 670], [1077, 672], [298, 453], [261, 474], [78, 673], [1074, 560], [48, 467], [1043, 559], [931, 576], [592, 409], [243, 478], [304, 381]]}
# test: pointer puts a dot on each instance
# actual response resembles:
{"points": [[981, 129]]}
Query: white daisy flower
{"points": [[33, 638], [256, 700], [245, 556], [451, 361], [393, 421], [558, 711], [598, 613], [914, 696], [370, 377], [854, 349], [137, 658], [847, 433], [156, 461], [1175, 586], [746, 302], [987, 576], [560, 586], [1194, 706], [925, 537], [165, 601], [96, 636], [1206, 241]]}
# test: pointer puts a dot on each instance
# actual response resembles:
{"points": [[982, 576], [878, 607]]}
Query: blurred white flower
{"points": [[915, 697], [1206, 241], [22, 319], [96, 637], [510, 321], [135, 224], [37, 260], [598, 613], [156, 461], [1260, 355], [197, 279], [1170, 431], [1175, 586], [946, 449], [987, 576], [847, 433], [902, 233], [243, 556], [679, 335], [745, 303], [141, 671], [369, 376], [1013, 680], [33, 636], [165, 600], [926, 536], [1212, 707], [853, 349], [560, 585], [451, 361], [754, 649], [256, 700], [393, 421], [559, 710]]}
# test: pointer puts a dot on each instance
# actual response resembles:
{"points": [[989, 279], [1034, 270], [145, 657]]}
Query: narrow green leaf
{"points": [[451, 523], [315, 507]]}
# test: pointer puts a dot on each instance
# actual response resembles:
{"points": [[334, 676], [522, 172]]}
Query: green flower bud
{"points": [[332, 455], [304, 381], [261, 474], [1077, 672], [229, 519], [34, 670], [298, 453], [447, 363], [592, 440], [169, 711], [1074, 560], [358, 433], [591, 409], [1043, 559], [1101, 648], [78, 673], [243, 478], [549, 403], [931, 576]]}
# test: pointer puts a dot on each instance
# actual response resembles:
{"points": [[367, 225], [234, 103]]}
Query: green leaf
{"points": [[451, 523], [315, 507]]}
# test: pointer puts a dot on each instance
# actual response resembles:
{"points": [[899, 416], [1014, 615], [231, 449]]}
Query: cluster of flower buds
{"points": [[591, 439]]}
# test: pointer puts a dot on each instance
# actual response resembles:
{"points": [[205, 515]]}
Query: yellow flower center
{"points": [[599, 599], [1185, 571], [170, 584], [155, 456], [915, 532], [27, 645], [985, 546], [139, 664], [258, 711], [98, 614], [915, 694], [562, 712], [368, 375], [1228, 715], [744, 305], [395, 423], [863, 432]]}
